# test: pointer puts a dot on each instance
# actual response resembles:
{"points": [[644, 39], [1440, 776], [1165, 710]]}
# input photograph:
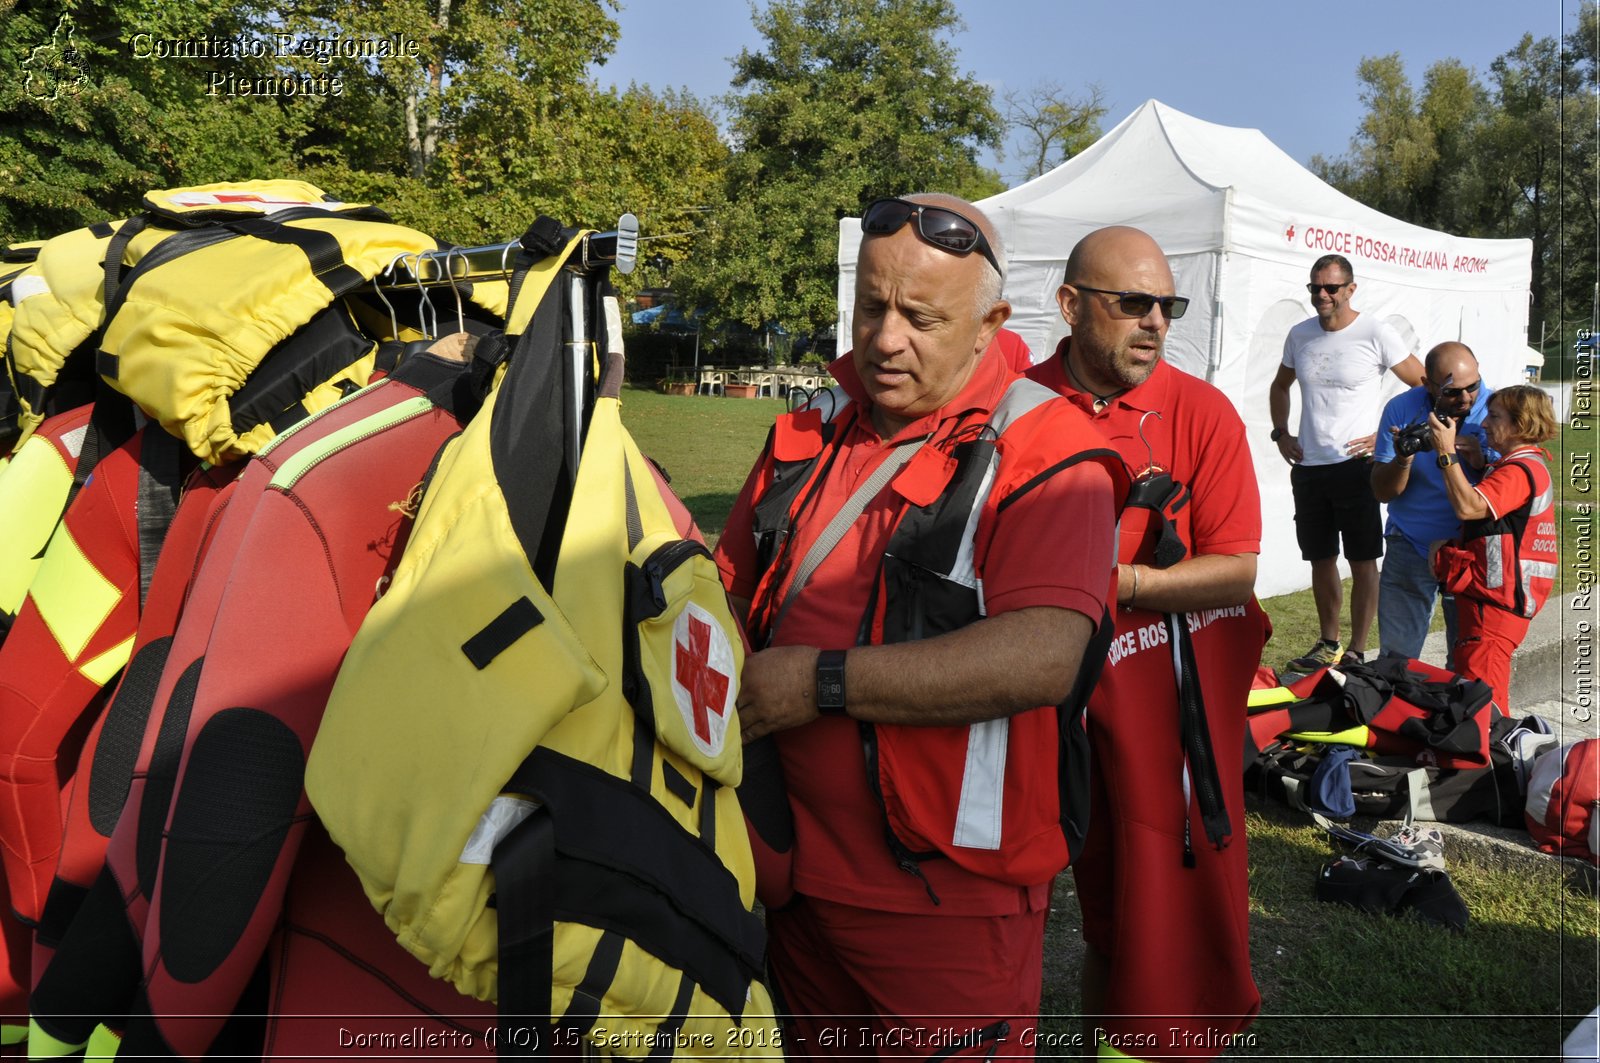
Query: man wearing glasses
{"points": [[1163, 876], [1339, 357], [1412, 483], [888, 553]]}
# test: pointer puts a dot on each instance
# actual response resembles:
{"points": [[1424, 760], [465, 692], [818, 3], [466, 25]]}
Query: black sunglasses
{"points": [[1456, 393], [1138, 304], [1327, 289], [940, 226]]}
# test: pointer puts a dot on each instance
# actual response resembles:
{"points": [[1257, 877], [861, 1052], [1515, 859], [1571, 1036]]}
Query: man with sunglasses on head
{"points": [[1339, 357], [923, 558], [1163, 876], [1412, 483]]}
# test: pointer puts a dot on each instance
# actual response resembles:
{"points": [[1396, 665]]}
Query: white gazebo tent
{"points": [[1241, 222]]}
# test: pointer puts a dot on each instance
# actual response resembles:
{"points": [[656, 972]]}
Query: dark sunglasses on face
{"points": [[940, 226], [1138, 304], [1327, 289], [1456, 393]]}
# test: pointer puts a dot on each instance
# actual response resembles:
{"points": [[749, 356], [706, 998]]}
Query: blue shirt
{"points": [[1422, 511]]}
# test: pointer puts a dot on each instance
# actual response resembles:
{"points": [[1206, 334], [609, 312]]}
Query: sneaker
{"points": [[1353, 657], [1324, 654], [1415, 846]]}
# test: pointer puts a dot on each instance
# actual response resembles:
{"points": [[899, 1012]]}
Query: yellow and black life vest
{"points": [[530, 754]]}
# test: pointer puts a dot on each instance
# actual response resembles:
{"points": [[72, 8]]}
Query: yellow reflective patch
{"points": [[103, 1044], [42, 1046], [71, 595], [1354, 736], [100, 670], [13, 1035], [32, 492]]}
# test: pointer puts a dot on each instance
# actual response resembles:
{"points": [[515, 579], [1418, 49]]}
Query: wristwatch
{"points": [[1277, 434], [830, 682], [1447, 460]]}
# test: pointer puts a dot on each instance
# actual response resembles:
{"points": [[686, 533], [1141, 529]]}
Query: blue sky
{"points": [[1287, 68]]}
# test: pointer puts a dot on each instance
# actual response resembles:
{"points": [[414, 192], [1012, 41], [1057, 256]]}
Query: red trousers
{"points": [[1486, 638], [860, 982]]}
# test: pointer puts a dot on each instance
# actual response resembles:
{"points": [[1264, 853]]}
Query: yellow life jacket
{"points": [[220, 310], [14, 260], [530, 754]]}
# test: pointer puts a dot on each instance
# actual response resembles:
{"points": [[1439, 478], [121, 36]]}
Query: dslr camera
{"points": [[1417, 437]]}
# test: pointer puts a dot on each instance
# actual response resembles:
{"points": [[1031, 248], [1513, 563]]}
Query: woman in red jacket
{"points": [[1504, 565]]}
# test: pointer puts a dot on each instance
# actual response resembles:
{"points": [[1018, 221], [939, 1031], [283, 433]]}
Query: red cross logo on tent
{"points": [[1288, 234], [707, 687]]}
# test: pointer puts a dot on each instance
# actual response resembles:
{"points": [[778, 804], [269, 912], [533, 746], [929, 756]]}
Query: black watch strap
{"points": [[1277, 434], [830, 682]]}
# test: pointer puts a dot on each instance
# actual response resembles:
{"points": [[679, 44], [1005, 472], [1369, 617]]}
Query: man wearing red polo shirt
{"points": [[924, 558], [1162, 879]]}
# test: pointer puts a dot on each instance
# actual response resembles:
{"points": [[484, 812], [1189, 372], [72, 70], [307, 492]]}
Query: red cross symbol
{"points": [[1289, 233], [707, 687]]}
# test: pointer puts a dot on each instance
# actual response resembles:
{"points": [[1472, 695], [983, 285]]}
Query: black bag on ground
{"points": [[1397, 787]]}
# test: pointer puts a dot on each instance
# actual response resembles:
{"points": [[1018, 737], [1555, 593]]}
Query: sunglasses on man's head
{"points": [[942, 227], [1326, 289], [1138, 304]]}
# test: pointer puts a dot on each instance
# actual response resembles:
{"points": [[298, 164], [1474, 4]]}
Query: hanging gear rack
{"points": [[454, 265]]}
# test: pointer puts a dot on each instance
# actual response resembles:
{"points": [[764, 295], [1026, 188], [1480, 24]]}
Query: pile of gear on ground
{"points": [[1402, 739], [333, 644]]}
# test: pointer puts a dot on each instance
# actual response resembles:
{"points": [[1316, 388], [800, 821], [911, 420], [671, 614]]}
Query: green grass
{"points": [[706, 444], [1336, 983]]}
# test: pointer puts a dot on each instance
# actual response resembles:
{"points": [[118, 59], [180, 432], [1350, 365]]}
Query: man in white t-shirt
{"points": [[1339, 357]]}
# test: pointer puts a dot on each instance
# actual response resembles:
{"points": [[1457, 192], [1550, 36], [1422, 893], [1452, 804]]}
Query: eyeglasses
{"points": [[940, 226], [1456, 393], [1326, 289], [1138, 304]]}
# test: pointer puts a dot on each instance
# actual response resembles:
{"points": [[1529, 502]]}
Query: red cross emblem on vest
{"points": [[707, 687]]}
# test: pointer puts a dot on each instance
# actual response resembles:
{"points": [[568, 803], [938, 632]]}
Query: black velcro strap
{"points": [[114, 252], [321, 249], [1197, 745], [518, 618], [101, 229], [597, 978], [677, 783], [544, 237], [107, 365], [627, 862], [523, 866]]}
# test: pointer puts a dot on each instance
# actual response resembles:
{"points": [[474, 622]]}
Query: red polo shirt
{"points": [[1052, 548]]}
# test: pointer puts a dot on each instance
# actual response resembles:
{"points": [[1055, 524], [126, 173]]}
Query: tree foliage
{"points": [[494, 120], [846, 101], [1509, 155], [1052, 125]]}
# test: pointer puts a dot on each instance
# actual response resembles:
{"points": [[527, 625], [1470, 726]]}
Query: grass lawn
{"points": [[1337, 983]]}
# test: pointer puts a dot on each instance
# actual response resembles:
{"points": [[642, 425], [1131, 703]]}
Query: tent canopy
{"points": [[1241, 222]]}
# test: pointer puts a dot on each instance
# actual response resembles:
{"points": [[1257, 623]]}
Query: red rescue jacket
{"points": [[1510, 561], [1002, 798]]}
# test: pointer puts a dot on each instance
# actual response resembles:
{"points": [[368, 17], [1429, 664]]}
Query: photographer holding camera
{"points": [[1408, 474]]}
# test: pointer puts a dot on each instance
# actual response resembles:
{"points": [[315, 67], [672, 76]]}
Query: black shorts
{"points": [[1334, 501]]}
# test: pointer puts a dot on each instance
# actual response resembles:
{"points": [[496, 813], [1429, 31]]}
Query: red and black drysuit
{"points": [[201, 858], [1163, 876]]}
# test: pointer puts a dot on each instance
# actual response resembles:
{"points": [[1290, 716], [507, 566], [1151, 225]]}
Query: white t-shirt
{"points": [[1341, 382]]}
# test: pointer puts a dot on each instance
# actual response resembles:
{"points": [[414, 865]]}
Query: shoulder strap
{"points": [[848, 514]]}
